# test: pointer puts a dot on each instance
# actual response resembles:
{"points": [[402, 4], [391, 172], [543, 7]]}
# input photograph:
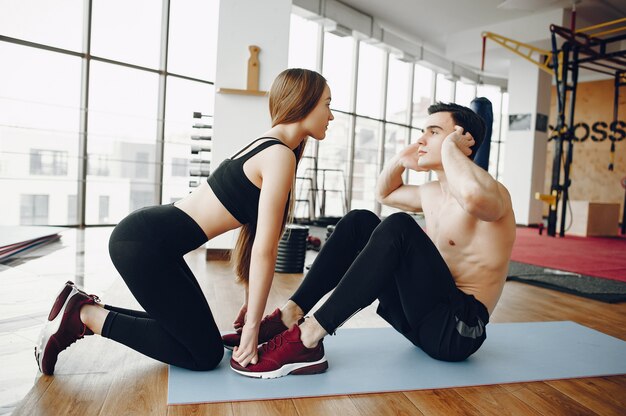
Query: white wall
{"points": [[525, 151], [238, 119]]}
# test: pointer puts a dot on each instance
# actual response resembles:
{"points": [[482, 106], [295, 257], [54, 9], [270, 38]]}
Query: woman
{"points": [[251, 190]]}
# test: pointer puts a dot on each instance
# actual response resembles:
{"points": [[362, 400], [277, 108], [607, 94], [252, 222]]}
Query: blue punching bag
{"points": [[482, 107]]}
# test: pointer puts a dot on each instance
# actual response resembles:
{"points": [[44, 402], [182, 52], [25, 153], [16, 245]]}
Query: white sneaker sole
{"points": [[51, 328], [313, 367]]}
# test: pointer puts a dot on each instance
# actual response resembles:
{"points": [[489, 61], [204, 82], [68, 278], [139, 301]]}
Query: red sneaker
{"points": [[285, 354], [64, 326], [269, 327]]}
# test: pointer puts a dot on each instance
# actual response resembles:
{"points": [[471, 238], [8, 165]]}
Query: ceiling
{"points": [[434, 23]]}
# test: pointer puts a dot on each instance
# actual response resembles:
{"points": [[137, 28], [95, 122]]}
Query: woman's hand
{"points": [[247, 351], [240, 320]]}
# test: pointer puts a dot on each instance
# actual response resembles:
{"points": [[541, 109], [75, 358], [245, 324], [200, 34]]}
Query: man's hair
{"points": [[464, 117]]}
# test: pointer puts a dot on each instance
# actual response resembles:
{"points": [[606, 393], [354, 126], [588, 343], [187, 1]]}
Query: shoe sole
{"points": [[51, 328], [314, 367]]}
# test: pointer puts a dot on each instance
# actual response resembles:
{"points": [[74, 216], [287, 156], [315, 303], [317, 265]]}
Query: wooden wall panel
{"points": [[591, 179]]}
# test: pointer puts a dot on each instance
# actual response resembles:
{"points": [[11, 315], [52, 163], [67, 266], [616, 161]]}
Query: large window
{"points": [[181, 153], [48, 162], [423, 90], [130, 115], [56, 23], [464, 93], [34, 209], [135, 135], [375, 118], [338, 54], [122, 125], [117, 32], [193, 38], [303, 43], [444, 91], [370, 80], [333, 166], [366, 167], [39, 113]]}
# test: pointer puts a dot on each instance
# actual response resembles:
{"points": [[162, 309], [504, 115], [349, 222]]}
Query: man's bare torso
{"points": [[476, 252]]}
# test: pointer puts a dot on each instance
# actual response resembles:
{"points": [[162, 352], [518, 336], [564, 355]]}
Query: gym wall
{"points": [[591, 178]]}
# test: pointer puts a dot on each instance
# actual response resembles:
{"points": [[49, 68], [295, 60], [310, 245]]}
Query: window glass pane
{"points": [[303, 43], [305, 186], [39, 121], [127, 31], [72, 209], [443, 92], [369, 88], [56, 23], [396, 139], [365, 163], [103, 209], [122, 132], [398, 90], [465, 93], [422, 95], [504, 130], [417, 178], [187, 149], [337, 69], [34, 209], [192, 44], [332, 167]]}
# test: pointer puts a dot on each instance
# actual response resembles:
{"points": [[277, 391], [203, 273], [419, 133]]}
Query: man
{"points": [[436, 287]]}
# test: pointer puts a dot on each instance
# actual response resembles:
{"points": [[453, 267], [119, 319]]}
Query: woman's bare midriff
{"points": [[203, 206]]}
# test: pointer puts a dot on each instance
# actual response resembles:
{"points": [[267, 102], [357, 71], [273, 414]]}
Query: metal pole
{"points": [[383, 125], [160, 139], [81, 195], [561, 93], [570, 141], [352, 131]]}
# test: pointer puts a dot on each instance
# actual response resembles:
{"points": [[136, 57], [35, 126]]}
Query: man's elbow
{"points": [[380, 196]]}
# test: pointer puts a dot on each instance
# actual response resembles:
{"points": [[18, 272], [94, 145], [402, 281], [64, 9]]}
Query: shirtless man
{"points": [[436, 287]]}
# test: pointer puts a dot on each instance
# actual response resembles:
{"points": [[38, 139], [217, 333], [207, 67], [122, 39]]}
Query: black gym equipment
{"points": [[292, 249], [482, 106], [581, 49]]}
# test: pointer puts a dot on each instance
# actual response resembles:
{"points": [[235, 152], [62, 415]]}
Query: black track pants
{"points": [[177, 327], [396, 262]]}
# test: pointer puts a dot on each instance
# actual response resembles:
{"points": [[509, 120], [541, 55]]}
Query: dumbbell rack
{"points": [[200, 161]]}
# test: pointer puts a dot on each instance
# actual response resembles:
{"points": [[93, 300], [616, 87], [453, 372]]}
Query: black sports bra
{"points": [[233, 188]]}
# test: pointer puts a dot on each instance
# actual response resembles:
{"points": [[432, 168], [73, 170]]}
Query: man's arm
{"points": [[474, 188], [391, 190]]}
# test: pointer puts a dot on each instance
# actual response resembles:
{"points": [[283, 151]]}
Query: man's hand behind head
{"points": [[464, 141]]}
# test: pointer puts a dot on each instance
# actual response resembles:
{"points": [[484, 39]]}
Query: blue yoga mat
{"points": [[381, 360]]}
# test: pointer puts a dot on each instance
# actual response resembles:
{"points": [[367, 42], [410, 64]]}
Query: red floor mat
{"points": [[592, 256]]}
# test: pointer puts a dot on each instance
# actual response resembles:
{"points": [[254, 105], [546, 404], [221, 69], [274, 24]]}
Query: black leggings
{"points": [[396, 262], [178, 328]]}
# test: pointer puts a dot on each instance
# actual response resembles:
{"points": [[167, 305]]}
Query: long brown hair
{"points": [[293, 95]]}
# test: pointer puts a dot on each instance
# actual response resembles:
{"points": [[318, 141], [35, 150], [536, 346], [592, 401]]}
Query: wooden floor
{"points": [[99, 377]]}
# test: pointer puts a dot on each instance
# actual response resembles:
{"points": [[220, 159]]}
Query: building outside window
{"points": [[34, 209], [48, 162]]}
